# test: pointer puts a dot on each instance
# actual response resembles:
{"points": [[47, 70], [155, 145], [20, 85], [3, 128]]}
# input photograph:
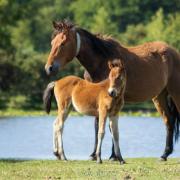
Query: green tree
{"points": [[102, 22]]}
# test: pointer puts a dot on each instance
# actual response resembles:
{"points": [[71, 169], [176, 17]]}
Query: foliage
{"points": [[25, 33]]}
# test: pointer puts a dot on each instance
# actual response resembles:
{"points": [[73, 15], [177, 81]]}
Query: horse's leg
{"points": [[101, 132], [161, 104], [96, 126], [174, 91], [113, 122]]}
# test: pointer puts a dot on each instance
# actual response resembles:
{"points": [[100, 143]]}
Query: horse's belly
{"points": [[144, 87], [141, 96]]}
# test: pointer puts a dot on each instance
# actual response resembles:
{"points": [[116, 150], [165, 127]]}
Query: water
{"points": [[31, 137]]}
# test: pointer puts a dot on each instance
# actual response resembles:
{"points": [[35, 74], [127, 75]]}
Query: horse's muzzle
{"points": [[52, 69], [49, 70]]}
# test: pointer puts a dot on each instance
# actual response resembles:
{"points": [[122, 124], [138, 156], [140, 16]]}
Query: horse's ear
{"points": [[55, 24], [110, 65]]}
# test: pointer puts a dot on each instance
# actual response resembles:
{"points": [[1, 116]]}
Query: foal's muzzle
{"points": [[112, 92]]}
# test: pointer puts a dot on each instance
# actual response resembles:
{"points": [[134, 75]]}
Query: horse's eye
{"points": [[62, 44]]}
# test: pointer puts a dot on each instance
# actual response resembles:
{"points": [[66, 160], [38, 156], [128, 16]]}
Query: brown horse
{"points": [[153, 71], [103, 99]]}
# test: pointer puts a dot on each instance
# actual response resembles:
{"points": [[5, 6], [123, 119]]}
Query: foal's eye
{"points": [[120, 78], [62, 44]]}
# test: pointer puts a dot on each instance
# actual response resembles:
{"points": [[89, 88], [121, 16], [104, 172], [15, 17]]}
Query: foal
{"points": [[103, 99]]}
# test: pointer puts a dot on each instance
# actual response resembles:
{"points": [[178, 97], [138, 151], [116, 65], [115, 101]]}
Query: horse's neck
{"points": [[97, 64], [94, 64]]}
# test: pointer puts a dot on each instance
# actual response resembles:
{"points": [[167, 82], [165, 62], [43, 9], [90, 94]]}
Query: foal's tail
{"points": [[47, 96], [175, 118]]}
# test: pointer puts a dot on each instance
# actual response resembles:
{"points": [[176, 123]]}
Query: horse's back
{"points": [[146, 49]]}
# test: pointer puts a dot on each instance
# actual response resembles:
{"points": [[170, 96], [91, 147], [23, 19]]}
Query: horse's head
{"points": [[65, 45], [117, 78]]}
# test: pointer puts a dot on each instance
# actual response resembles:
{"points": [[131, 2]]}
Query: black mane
{"points": [[104, 46]]}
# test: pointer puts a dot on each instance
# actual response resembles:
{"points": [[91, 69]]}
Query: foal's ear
{"points": [[110, 64], [120, 64]]}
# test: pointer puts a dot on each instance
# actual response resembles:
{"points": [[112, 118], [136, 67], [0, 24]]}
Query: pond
{"points": [[31, 137]]}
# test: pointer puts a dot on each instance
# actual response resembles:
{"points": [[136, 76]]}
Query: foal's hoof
{"points": [[99, 161], [93, 157], [163, 159], [113, 158], [57, 155], [63, 158], [122, 162], [60, 156]]}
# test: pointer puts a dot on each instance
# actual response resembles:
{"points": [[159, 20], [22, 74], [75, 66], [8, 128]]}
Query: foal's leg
{"points": [[113, 122], [57, 133], [113, 155], [161, 104], [58, 142], [101, 132], [93, 155]]}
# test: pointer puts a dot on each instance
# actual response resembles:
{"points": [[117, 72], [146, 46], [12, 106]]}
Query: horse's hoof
{"points": [[122, 162], [163, 159]]}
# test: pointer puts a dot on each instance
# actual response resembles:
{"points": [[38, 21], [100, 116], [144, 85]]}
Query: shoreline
{"points": [[17, 112]]}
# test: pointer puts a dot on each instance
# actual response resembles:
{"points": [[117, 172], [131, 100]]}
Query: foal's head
{"points": [[65, 46], [117, 78]]}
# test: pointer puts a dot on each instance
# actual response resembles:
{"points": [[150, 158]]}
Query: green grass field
{"points": [[138, 168]]}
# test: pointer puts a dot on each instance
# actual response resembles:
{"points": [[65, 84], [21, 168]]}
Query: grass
{"points": [[21, 112], [139, 168]]}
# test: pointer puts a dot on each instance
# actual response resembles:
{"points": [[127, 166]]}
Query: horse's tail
{"points": [[175, 118], [47, 96]]}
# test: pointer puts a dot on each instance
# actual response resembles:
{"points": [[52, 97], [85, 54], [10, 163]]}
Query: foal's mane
{"points": [[102, 44]]}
